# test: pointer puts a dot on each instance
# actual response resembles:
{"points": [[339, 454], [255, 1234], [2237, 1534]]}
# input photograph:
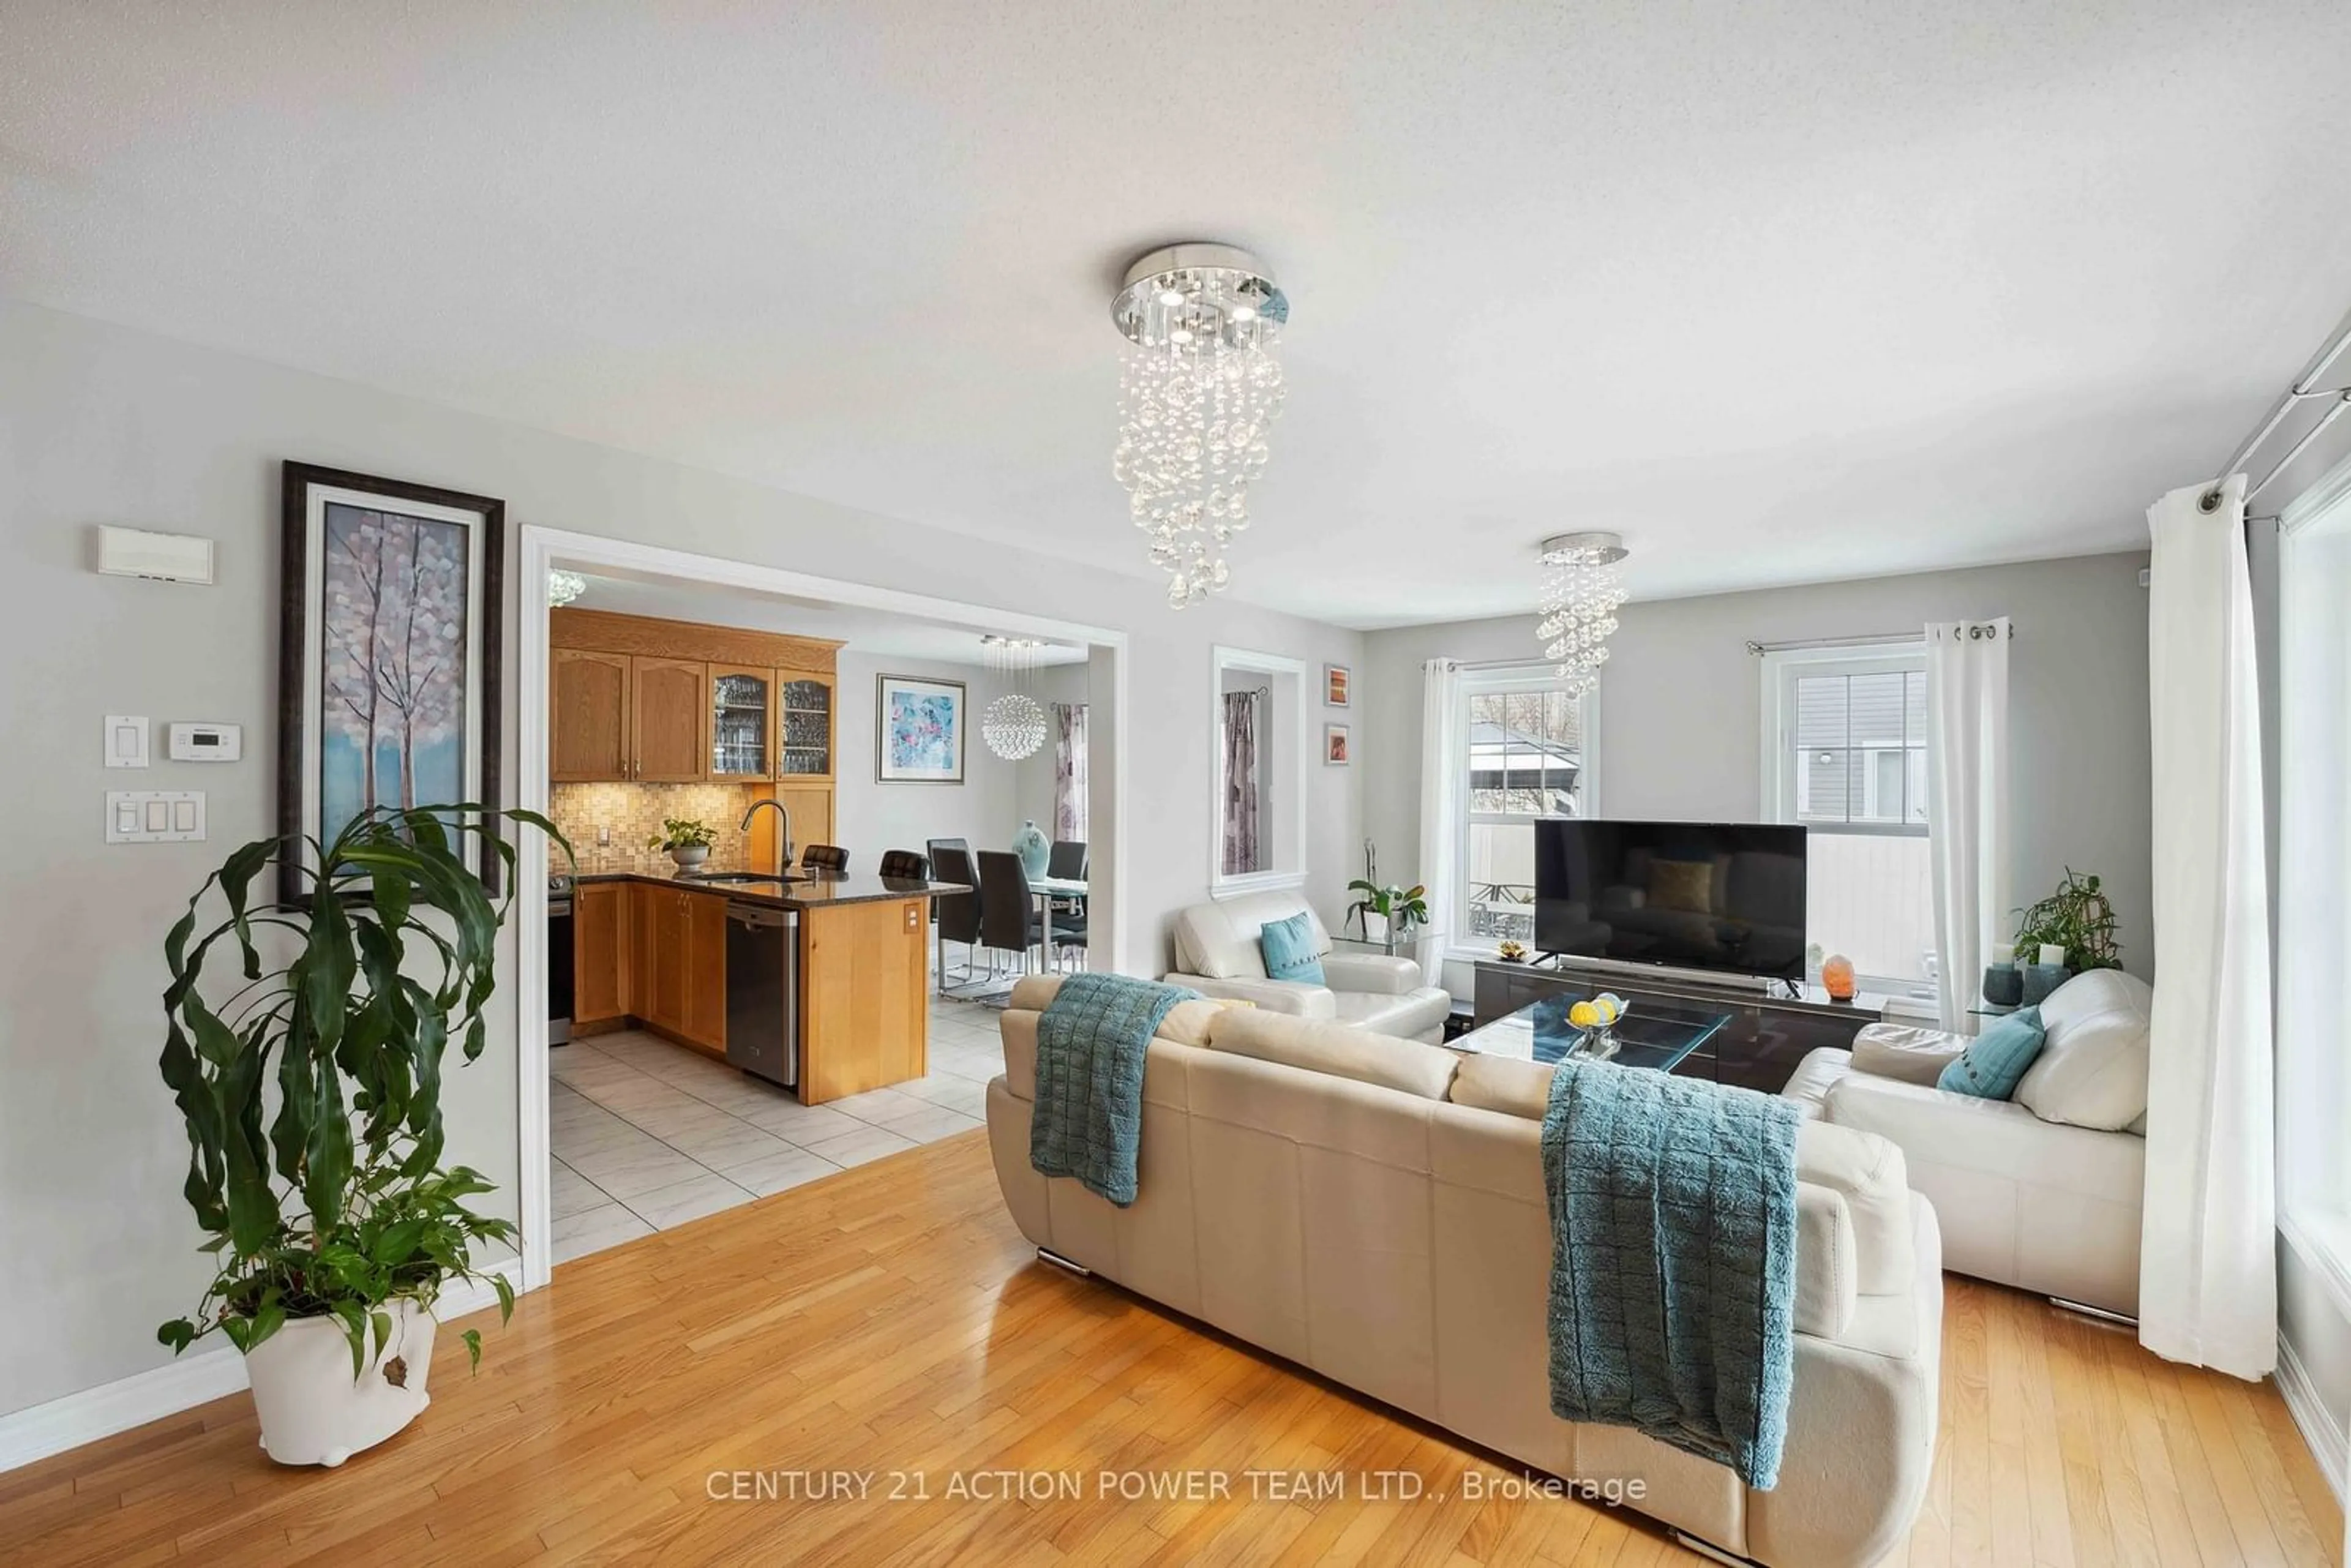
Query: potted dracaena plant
{"points": [[312, 1097]]}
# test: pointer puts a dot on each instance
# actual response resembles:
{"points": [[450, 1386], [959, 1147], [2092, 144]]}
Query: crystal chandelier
{"points": [[563, 587], [1581, 592], [1014, 724], [1198, 389]]}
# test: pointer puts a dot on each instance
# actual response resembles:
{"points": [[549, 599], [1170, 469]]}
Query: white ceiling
{"points": [[1781, 291], [873, 632]]}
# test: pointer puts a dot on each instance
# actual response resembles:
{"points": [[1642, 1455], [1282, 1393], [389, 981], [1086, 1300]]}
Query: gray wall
{"points": [[107, 425], [870, 816], [1679, 732]]}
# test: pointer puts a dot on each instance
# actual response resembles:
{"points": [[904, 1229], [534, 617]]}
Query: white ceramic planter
{"points": [[312, 1413], [687, 856]]}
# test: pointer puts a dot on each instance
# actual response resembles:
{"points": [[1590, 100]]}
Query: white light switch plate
{"points": [[126, 741], [154, 816]]}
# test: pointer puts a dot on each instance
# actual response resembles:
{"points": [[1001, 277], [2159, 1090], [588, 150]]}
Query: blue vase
{"points": [[1035, 850]]}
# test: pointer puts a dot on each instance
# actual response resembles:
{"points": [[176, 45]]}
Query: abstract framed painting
{"points": [[391, 600], [918, 730], [1336, 683]]}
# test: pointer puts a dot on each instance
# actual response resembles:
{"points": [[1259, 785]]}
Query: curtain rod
{"points": [[1875, 640], [2305, 387]]}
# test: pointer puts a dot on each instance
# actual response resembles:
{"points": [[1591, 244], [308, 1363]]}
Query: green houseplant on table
{"points": [[312, 1097], [1401, 910]]}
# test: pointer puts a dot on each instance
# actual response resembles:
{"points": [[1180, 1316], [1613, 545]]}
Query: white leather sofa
{"points": [[2043, 1191], [1373, 1208], [1216, 954]]}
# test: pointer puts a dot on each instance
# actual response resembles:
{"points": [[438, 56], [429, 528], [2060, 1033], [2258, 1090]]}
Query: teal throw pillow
{"points": [[1994, 1062], [1289, 948]]}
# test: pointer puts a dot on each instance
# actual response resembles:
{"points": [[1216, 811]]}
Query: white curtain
{"points": [[1967, 805], [2208, 1257], [1443, 768], [1071, 786]]}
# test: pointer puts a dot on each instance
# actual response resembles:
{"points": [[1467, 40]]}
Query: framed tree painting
{"points": [[388, 654], [918, 730]]}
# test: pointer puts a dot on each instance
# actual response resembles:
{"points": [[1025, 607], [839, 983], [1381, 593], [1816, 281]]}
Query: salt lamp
{"points": [[1836, 978]]}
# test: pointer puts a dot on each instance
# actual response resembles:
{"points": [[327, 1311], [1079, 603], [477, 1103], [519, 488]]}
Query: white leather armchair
{"points": [[1217, 955], [2043, 1191]]}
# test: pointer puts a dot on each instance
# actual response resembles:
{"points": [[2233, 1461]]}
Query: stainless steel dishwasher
{"points": [[763, 991]]}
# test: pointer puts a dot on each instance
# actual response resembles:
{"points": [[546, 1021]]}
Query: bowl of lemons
{"points": [[1597, 1016]]}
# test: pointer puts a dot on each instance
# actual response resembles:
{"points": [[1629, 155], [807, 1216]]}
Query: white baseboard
{"points": [[2328, 1442], [40, 1430]]}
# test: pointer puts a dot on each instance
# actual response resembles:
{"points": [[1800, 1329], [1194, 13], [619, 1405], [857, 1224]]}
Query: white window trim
{"points": [[1460, 947], [1277, 878], [1908, 998]]}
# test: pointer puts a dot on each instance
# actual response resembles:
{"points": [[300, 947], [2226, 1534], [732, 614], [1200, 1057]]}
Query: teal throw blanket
{"points": [[1672, 1275], [1087, 1121]]}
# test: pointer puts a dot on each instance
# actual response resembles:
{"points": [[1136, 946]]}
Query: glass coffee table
{"points": [[1655, 1032]]}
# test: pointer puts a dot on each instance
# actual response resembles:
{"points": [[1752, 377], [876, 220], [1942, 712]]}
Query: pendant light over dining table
{"points": [[1013, 726], [1199, 387]]}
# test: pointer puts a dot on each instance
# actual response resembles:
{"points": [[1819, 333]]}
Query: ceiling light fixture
{"points": [[563, 587], [1014, 724], [1580, 593], [1199, 387]]}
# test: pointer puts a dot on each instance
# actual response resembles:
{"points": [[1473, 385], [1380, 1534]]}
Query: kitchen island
{"points": [[825, 992]]}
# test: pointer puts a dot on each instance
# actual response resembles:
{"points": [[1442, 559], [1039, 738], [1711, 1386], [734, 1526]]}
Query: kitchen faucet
{"points": [[783, 839]]}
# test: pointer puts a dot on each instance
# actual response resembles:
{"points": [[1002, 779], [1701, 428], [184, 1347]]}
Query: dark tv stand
{"points": [[1768, 1034]]}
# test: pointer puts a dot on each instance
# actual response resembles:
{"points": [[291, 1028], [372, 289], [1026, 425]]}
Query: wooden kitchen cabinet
{"points": [[864, 1002], [604, 959], [681, 939], [669, 716], [706, 970], [588, 716]]}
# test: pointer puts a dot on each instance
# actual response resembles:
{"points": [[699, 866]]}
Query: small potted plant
{"points": [[1399, 909], [311, 1090], [687, 841]]}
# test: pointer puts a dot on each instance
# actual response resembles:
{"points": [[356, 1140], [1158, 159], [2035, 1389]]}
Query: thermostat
{"points": [[198, 742]]}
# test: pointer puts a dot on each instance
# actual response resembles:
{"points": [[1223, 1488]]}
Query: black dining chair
{"points": [[906, 866], [1009, 918], [825, 858], [958, 913], [1067, 859]]}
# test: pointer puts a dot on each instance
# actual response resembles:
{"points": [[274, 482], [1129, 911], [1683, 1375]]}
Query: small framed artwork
{"points": [[1335, 685], [918, 730], [388, 657], [1334, 746]]}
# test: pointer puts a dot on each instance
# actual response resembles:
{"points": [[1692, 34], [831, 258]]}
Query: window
{"points": [[1525, 746], [1260, 777], [1846, 756], [2313, 891]]}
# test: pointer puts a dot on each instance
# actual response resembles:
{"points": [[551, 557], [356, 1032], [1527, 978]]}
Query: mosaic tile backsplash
{"points": [[631, 813]]}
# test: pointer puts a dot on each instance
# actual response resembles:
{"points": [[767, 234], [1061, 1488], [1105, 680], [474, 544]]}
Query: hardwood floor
{"points": [[890, 1319]]}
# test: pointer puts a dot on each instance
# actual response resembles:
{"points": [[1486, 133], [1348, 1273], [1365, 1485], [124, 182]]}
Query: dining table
{"points": [[1045, 890]]}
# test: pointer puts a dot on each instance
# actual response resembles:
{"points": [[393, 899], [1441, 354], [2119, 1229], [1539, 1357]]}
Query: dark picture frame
{"points": [[930, 691], [433, 694]]}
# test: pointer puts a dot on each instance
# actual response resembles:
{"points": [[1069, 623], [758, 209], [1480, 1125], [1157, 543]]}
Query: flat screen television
{"points": [[1727, 896]]}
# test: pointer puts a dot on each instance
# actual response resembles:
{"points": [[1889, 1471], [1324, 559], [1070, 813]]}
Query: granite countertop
{"points": [[815, 893]]}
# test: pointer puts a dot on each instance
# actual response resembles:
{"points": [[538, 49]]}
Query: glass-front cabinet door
{"points": [[742, 722], [806, 722]]}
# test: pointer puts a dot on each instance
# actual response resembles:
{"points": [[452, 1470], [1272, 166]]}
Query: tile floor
{"points": [[649, 1134]]}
